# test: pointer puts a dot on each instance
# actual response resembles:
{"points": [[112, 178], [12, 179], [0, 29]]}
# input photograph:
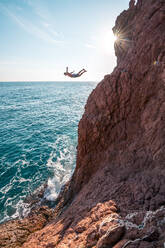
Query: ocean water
{"points": [[38, 139]]}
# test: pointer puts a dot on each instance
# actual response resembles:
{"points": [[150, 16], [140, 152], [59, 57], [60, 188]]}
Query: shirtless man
{"points": [[74, 75]]}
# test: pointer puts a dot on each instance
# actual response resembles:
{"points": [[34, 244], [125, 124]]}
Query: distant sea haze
{"points": [[38, 139]]}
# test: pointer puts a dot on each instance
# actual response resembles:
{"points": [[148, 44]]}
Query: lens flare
{"points": [[107, 41]]}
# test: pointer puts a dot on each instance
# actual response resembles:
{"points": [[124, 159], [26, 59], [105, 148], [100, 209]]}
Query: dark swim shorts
{"points": [[75, 75]]}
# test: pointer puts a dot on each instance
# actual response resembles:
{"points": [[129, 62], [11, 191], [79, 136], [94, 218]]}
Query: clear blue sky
{"points": [[39, 38]]}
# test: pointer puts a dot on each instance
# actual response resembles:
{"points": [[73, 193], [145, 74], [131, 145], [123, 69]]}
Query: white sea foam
{"points": [[20, 209], [32, 136], [63, 167], [13, 206]]}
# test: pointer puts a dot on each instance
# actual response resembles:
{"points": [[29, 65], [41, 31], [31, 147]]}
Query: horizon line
{"points": [[28, 81]]}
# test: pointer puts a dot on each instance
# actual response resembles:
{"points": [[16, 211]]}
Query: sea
{"points": [[38, 139]]}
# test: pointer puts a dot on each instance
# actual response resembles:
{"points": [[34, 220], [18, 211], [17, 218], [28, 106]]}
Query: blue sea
{"points": [[38, 139]]}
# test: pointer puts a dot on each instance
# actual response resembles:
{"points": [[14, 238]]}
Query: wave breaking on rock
{"points": [[115, 197]]}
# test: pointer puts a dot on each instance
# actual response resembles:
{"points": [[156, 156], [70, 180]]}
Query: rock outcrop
{"points": [[116, 196]]}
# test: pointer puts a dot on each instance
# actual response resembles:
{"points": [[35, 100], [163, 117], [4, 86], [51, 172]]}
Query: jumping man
{"points": [[72, 74]]}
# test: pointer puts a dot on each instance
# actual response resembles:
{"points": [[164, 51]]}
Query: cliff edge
{"points": [[116, 196]]}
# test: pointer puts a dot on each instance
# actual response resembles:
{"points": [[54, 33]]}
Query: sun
{"points": [[107, 41]]}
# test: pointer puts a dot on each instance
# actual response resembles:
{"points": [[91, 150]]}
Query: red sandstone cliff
{"points": [[116, 195]]}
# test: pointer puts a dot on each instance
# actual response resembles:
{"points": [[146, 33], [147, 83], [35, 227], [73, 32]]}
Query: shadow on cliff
{"points": [[121, 146]]}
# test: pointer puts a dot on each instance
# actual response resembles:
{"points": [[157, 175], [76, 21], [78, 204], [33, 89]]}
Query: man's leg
{"points": [[81, 72]]}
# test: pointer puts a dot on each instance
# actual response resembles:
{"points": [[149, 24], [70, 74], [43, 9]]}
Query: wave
{"points": [[38, 132], [63, 163]]}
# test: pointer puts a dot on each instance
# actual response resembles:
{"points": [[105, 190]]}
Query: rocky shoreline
{"points": [[116, 196]]}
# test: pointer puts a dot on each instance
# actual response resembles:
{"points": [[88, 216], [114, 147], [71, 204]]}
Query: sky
{"points": [[39, 38]]}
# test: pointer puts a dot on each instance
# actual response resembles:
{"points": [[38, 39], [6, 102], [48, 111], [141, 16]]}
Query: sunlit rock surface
{"points": [[116, 195]]}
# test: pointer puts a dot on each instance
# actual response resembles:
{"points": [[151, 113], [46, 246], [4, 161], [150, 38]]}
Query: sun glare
{"points": [[107, 41]]}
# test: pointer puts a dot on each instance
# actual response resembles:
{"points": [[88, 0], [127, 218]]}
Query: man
{"points": [[72, 74]]}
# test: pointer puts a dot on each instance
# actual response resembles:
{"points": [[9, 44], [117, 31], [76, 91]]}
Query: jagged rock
{"points": [[121, 243], [152, 235], [109, 222], [14, 233], [121, 146], [112, 235]]}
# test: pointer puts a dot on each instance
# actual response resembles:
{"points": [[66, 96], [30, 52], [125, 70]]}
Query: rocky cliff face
{"points": [[123, 123], [116, 195]]}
